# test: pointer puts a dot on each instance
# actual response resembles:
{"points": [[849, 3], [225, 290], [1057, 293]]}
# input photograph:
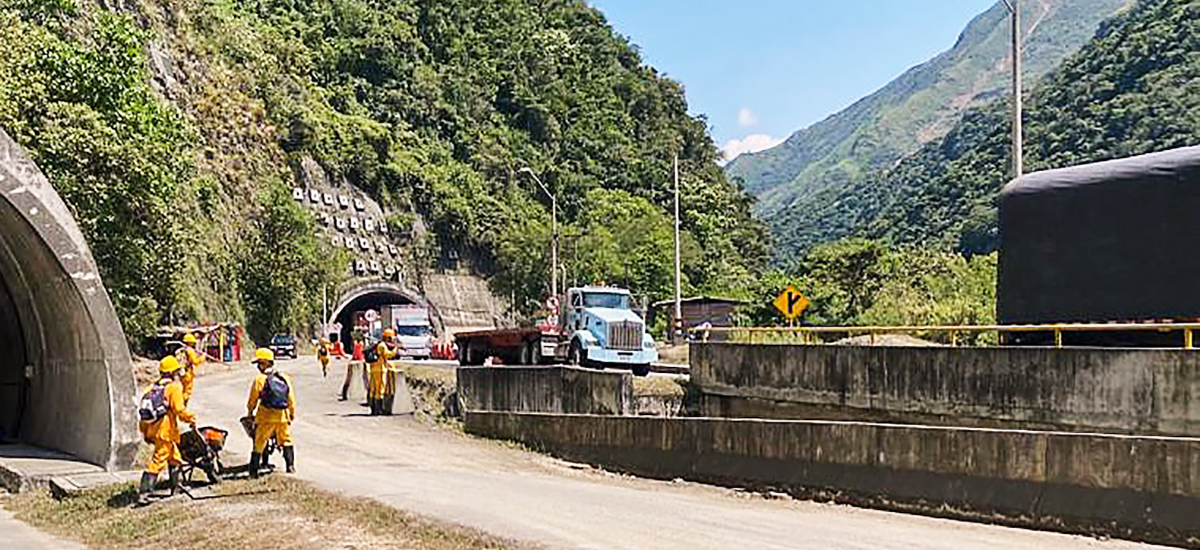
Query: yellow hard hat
{"points": [[189, 338], [264, 354], [169, 364], [389, 333]]}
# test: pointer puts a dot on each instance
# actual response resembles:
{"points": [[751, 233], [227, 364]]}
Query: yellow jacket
{"points": [[192, 359], [167, 428], [266, 415], [386, 353]]}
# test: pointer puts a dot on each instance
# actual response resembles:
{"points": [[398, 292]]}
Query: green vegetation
{"points": [[1134, 89], [863, 282], [73, 91], [283, 266], [434, 107], [803, 185], [172, 129]]}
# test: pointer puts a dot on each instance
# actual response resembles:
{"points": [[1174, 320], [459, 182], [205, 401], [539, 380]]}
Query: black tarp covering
{"points": [[1110, 241]]}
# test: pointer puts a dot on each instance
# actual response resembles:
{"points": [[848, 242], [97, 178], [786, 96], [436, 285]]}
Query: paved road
{"points": [[525, 496]]}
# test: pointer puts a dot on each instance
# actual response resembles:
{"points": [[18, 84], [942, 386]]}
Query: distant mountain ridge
{"points": [[918, 107], [1134, 89]]}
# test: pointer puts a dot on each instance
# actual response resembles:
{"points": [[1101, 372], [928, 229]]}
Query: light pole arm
{"points": [[553, 230]]}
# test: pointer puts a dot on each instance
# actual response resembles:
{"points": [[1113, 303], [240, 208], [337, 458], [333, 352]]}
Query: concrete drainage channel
{"points": [[1127, 486]]}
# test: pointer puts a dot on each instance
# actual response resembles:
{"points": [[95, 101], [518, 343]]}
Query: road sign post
{"points": [[791, 303]]}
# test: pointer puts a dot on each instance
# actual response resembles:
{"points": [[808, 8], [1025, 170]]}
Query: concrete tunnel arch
{"points": [[66, 377], [373, 294]]}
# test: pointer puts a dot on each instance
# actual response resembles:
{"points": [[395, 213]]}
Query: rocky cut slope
{"points": [[796, 178]]}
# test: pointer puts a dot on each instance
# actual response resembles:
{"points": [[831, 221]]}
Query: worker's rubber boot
{"points": [[374, 403], [145, 488], [255, 459], [289, 458], [173, 478], [345, 392], [386, 404]]}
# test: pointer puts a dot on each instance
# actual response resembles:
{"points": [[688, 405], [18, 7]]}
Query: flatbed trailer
{"points": [[514, 346], [597, 328]]}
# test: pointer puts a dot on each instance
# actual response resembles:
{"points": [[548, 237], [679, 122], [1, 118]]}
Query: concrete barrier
{"points": [[1145, 488], [1112, 390], [569, 390], [66, 379]]}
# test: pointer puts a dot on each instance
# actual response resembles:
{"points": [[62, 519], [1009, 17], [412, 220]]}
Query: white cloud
{"points": [[747, 118], [752, 143]]}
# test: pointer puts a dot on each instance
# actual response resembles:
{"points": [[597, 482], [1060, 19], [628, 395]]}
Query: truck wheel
{"points": [[527, 353], [464, 354], [640, 370], [535, 352], [575, 356]]}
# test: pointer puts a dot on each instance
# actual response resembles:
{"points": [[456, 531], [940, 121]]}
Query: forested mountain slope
{"points": [[174, 129], [1134, 89], [796, 178]]}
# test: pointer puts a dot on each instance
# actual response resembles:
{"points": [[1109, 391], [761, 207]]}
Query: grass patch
{"points": [[675, 355], [657, 386], [277, 512], [429, 375], [434, 391]]}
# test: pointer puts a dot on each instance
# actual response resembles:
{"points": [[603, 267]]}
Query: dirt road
{"points": [[16, 535], [525, 496]]}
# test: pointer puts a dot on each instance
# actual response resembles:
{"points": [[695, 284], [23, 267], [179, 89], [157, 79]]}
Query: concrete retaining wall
{"points": [[1122, 391], [1134, 487], [568, 390]]}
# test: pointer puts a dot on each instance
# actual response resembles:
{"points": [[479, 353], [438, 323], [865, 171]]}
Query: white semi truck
{"points": [[597, 328]]}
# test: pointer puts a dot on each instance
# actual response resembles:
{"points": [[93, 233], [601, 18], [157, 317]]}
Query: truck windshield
{"points": [[606, 299], [412, 330]]}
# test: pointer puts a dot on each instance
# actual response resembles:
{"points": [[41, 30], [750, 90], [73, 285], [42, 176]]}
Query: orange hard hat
{"points": [[389, 333]]}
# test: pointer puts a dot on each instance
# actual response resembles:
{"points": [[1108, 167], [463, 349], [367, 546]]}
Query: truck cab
{"points": [[414, 331], [598, 327]]}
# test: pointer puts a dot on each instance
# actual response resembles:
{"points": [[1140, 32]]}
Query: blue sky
{"points": [[762, 69]]}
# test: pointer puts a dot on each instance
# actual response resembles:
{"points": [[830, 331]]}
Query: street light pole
{"points": [[553, 230], [678, 321], [1018, 161]]}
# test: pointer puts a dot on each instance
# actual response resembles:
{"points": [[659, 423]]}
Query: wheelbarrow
{"points": [[201, 449]]}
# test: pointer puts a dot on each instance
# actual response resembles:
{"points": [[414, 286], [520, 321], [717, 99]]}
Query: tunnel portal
{"points": [[373, 295], [66, 378]]}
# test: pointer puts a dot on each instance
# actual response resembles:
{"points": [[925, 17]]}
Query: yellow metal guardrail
{"points": [[810, 334]]}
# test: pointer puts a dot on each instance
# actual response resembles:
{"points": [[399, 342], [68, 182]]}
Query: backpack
{"points": [[371, 354], [153, 406], [275, 392]]}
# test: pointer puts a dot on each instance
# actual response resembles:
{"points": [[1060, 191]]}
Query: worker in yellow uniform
{"points": [[324, 348], [272, 402], [192, 358], [381, 373], [162, 410]]}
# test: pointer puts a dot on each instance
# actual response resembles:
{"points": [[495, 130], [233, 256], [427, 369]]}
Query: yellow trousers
{"points": [[381, 384], [165, 452], [282, 431]]}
